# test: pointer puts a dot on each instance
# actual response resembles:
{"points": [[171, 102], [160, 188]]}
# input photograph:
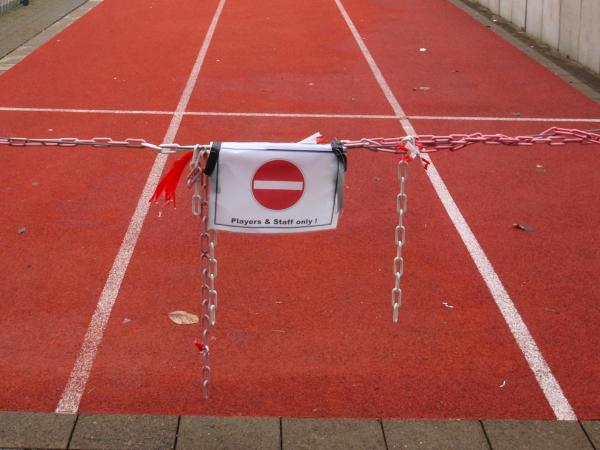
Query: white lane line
{"points": [[505, 119], [71, 396], [87, 111], [393, 117], [303, 115], [546, 380]]}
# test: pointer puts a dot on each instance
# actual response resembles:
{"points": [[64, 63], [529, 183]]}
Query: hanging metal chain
{"points": [[208, 262], [400, 238]]}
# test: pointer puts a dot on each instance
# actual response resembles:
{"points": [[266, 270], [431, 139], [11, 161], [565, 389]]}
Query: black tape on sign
{"points": [[338, 149], [213, 158]]}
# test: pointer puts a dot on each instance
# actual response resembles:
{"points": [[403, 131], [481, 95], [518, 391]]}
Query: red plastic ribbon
{"points": [[168, 183], [408, 157]]}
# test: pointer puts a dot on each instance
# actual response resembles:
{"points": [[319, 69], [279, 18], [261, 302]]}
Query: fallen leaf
{"points": [[523, 227], [21, 230], [447, 305], [540, 168], [183, 318], [421, 88]]}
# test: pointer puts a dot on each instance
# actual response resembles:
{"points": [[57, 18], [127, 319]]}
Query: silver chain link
{"points": [[400, 238], [428, 143], [208, 261]]}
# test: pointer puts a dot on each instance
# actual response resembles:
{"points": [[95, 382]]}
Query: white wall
{"points": [[570, 26]]}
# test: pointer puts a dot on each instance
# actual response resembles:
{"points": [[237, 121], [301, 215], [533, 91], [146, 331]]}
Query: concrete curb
{"points": [[104, 431], [25, 29]]}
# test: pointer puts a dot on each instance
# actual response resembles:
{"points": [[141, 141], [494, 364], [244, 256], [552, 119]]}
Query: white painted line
{"points": [[546, 380], [292, 115], [87, 111], [505, 119], [303, 115], [279, 185], [392, 117], [71, 396]]}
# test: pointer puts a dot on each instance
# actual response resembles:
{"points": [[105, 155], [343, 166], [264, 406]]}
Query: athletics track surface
{"points": [[304, 324]]}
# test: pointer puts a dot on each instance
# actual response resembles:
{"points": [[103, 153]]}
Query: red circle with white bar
{"points": [[278, 185]]}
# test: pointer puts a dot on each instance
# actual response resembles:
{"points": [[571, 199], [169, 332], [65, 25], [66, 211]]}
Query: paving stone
{"points": [[232, 433], [23, 23], [592, 428], [12, 28], [343, 434], [95, 431], [434, 434], [536, 434], [35, 430]]}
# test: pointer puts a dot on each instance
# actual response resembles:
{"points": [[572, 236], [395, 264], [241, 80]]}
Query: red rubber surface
{"points": [[114, 57], [470, 70], [294, 57], [304, 325], [75, 206], [304, 322], [550, 273]]}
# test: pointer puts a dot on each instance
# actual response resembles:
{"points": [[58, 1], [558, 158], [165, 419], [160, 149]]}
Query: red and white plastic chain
{"points": [[432, 143]]}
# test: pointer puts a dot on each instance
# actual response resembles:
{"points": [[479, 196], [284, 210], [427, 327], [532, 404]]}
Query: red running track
{"points": [[304, 325]]}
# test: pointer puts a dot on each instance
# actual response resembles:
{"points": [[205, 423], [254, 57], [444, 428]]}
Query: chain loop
{"points": [[208, 270], [399, 238], [197, 200]]}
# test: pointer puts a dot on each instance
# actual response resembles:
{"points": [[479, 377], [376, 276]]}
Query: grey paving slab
{"points": [[43, 36], [331, 434], [435, 434], [23, 23], [95, 431], [211, 433], [536, 434], [592, 428], [35, 430]]}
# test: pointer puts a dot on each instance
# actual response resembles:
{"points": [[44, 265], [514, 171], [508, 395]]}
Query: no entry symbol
{"points": [[278, 185]]}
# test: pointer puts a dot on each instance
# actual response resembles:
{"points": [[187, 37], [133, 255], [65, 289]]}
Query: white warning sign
{"points": [[260, 187]]}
